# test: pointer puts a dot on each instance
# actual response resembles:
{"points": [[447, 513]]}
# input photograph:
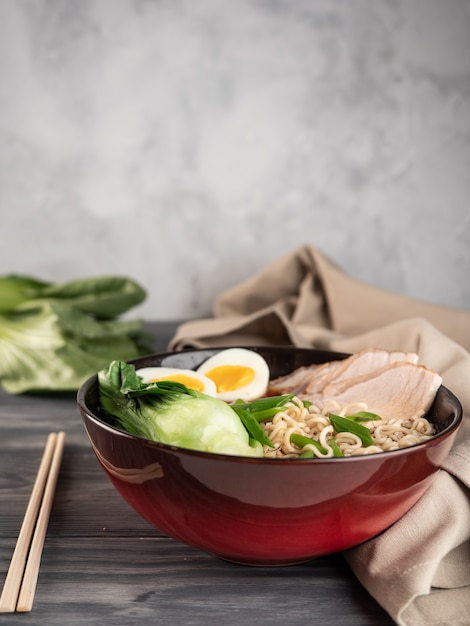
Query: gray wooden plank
{"points": [[131, 580]]}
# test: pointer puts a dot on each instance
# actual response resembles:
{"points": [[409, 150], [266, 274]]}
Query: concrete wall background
{"points": [[187, 144]]}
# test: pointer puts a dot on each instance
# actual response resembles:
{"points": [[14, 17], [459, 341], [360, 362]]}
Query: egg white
{"points": [[200, 382], [255, 388]]}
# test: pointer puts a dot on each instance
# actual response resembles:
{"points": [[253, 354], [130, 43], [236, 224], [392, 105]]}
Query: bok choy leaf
{"points": [[171, 413], [54, 336]]}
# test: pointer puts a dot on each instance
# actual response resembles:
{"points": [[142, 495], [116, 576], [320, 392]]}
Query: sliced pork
{"points": [[312, 379], [363, 364], [301, 378], [391, 383], [402, 390]]}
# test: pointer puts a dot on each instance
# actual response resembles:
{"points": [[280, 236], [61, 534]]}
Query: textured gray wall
{"points": [[189, 143]]}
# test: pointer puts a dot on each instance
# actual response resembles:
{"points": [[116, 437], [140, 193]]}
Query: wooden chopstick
{"points": [[20, 583]]}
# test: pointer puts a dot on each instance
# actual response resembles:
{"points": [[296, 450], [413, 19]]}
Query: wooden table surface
{"points": [[102, 564]]}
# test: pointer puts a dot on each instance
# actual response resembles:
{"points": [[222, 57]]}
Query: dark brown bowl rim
{"points": [[449, 429]]}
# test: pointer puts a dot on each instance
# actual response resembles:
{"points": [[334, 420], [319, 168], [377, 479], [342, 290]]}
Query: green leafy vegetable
{"points": [[344, 424], [54, 336], [169, 412], [363, 416], [265, 409], [336, 449], [349, 424], [15, 290], [301, 441], [252, 425], [261, 410]]}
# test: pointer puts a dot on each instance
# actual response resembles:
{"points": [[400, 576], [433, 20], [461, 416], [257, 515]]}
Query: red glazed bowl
{"points": [[266, 511]]}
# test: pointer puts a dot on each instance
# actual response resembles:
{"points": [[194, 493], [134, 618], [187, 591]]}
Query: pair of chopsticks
{"points": [[20, 583]]}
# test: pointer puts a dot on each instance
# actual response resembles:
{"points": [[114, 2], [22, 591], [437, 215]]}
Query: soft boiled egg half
{"points": [[189, 378], [238, 373]]}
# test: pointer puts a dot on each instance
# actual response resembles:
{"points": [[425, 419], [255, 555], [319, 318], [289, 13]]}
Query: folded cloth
{"points": [[419, 569]]}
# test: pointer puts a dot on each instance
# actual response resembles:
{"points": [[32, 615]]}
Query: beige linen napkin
{"points": [[419, 569]]}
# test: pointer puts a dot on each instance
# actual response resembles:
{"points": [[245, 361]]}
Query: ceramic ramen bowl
{"points": [[266, 511]]}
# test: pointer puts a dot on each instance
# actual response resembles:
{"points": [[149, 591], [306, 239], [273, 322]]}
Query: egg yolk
{"points": [[230, 377], [192, 383]]}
